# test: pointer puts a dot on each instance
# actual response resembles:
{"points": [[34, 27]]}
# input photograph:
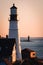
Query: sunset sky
{"points": [[30, 16]]}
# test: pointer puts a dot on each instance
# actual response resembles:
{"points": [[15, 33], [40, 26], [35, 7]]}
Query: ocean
{"points": [[35, 44]]}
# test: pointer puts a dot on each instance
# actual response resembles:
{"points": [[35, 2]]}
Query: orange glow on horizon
{"points": [[30, 16]]}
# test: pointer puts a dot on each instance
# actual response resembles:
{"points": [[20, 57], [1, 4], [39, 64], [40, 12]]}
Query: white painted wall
{"points": [[14, 25], [14, 54]]}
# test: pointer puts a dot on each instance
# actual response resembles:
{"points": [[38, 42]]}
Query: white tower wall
{"points": [[13, 25]]}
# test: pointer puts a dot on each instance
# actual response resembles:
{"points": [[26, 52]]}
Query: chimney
{"points": [[0, 36], [6, 36]]}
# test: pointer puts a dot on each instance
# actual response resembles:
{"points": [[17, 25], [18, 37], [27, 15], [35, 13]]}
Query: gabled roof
{"points": [[6, 46]]}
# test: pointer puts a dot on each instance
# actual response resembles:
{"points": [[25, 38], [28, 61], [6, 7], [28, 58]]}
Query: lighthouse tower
{"points": [[13, 31]]}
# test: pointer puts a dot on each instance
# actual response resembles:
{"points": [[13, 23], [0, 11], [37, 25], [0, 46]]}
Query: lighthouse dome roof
{"points": [[13, 7]]}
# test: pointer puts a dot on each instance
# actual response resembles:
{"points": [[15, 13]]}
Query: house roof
{"points": [[6, 46], [27, 50]]}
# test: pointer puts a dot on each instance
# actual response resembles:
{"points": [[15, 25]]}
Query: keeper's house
{"points": [[28, 54], [6, 48]]}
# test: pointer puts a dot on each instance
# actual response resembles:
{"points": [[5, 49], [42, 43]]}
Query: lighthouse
{"points": [[13, 31]]}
